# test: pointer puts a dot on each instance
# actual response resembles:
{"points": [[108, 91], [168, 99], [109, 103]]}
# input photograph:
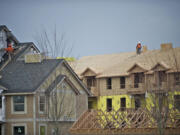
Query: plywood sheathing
{"points": [[118, 64]]}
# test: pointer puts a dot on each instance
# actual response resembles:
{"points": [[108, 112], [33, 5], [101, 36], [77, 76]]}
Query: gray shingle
{"points": [[19, 76]]}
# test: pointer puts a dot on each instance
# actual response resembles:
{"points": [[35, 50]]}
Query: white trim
{"points": [[41, 112], [20, 112], [19, 124], [45, 125], [19, 120]]}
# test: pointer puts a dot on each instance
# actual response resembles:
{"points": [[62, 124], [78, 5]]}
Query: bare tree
{"points": [[161, 98], [54, 45]]}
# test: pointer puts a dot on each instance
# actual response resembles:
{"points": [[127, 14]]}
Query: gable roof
{"points": [[138, 65], [22, 77], [8, 33], [118, 64], [59, 79], [87, 70]]}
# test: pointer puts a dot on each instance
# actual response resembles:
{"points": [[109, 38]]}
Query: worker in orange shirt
{"points": [[138, 48], [9, 48]]}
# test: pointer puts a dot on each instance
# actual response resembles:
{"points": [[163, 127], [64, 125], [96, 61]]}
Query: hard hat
{"points": [[139, 42]]}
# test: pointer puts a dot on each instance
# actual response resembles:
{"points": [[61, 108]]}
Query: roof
{"points": [[19, 76], [98, 63], [118, 64], [9, 33], [60, 79]]}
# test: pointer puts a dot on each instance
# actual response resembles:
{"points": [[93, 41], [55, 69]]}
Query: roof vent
{"points": [[33, 58], [166, 46]]}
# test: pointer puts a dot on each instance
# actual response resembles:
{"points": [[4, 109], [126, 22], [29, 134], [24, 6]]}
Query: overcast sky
{"points": [[96, 26]]}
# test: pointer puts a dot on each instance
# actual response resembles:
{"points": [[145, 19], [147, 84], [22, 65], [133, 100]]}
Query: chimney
{"points": [[166, 46], [144, 49], [34, 58]]}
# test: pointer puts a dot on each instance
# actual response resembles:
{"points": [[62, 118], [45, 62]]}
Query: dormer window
{"points": [[91, 82], [138, 78]]}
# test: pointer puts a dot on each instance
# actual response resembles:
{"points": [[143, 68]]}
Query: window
{"points": [[138, 78], [122, 82], [177, 102], [19, 103], [91, 82], [41, 103], [162, 77], [90, 106], [177, 78], [19, 130], [123, 104], [42, 130], [109, 104], [108, 83]]}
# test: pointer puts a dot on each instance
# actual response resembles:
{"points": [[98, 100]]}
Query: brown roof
{"points": [[119, 64]]}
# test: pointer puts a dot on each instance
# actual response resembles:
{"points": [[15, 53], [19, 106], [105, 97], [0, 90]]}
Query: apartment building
{"points": [[38, 96], [125, 80]]}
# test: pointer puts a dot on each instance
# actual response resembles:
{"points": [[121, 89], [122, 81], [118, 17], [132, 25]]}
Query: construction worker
{"points": [[138, 48], [9, 48]]}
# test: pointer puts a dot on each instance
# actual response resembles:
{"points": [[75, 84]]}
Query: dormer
{"points": [[88, 72], [136, 68], [160, 66]]}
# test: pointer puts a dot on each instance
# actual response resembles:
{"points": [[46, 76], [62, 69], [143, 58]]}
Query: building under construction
{"points": [[131, 91]]}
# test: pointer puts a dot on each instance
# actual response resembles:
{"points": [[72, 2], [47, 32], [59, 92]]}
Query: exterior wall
{"points": [[28, 127], [28, 106], [81, 104], [116, 103]]}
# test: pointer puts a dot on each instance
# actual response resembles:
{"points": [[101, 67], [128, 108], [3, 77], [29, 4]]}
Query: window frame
{"points": [[13, 105], [42, 125], [18, 125], [109, 109], [122, 85], [41, 112]]}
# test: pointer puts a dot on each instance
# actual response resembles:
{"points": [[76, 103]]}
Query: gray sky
{"points": [[96, 26]]}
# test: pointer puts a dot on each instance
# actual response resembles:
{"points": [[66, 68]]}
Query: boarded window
{"points": [[122, 82], [123, 104], [177, 102], [109, 104], [41, 103], [108, 83], [19, 103]]}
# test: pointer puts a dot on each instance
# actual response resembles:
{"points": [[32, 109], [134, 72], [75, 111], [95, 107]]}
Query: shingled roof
{"points": [[19, 76]]}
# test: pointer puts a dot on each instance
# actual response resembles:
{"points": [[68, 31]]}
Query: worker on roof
{"points": [[9, 48], [138, 48]]}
